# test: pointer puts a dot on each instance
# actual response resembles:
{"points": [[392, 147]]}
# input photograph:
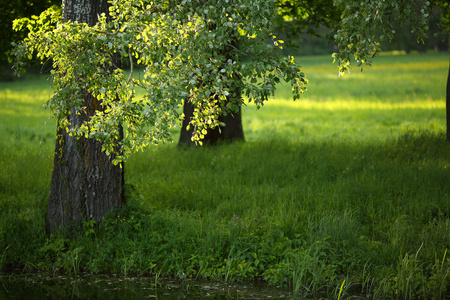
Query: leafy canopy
{"points": [[361, 21], [189, 51]]}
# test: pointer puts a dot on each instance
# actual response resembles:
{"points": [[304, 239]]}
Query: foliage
{"points": [[308, 15], [17, 9], [181, 49], [358, 31]]}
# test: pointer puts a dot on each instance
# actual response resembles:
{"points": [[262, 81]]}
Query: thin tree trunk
{"points": [[447, 103], [85, 184]]}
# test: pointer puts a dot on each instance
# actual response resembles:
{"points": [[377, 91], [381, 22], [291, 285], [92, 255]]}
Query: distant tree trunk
{"points": [[233, 131], [85, 184], [447, 103]]}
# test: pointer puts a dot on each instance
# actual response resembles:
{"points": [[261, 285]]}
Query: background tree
{"points": [[93, 98], [444, 8], [361, 21], [291, 18], [231, 128], [307, 16], [10, 11]]}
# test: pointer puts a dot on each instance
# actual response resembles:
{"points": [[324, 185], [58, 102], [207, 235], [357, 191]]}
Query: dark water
{"points": [[50, 286]]}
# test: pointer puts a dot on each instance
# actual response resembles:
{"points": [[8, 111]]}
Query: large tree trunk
{"points": [[85, 184], [233, 131]]}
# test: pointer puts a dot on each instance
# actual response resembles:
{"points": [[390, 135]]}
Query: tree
{"points": [[93, 98], [354, 25], [231, 128], [308, 16], [85, 184], [292, 16], [357, 36], [12, 10], [444, 8]]}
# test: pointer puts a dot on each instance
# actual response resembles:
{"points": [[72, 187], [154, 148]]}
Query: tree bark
{"points": [[233, 131], [85, 184]]}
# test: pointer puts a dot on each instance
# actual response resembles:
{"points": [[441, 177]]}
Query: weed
{"points": [[341, 289], [2, 258], [440, 277], [73, 261], [410, 277], [127, 263], [89, 227]]}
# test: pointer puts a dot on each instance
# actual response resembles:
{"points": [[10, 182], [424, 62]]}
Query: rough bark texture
{"points": [[233, 130], [84, 11], [85, 184]]}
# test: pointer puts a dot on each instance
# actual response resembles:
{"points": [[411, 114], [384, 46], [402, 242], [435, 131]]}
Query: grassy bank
{"points": [[346, 190]]}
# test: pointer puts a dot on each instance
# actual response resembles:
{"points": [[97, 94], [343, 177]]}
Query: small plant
{"points": [[366, 279], [440, 277], [55, 245], [2, 258], [73, 261], [341, 289], [410, 278], [311, 272], [127, 263], [89, 227]]}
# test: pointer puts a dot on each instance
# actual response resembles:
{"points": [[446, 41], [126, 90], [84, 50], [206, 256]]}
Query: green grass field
{"points": [[346, 190]]}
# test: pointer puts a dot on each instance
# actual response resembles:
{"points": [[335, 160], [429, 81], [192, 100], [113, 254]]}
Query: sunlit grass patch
{"points": [[390, 78], [355, 104], [22, 105], [373, 104], [349, 119]]}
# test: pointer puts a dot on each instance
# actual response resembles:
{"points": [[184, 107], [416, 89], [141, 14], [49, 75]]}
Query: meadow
{"points": [[342, 193]]}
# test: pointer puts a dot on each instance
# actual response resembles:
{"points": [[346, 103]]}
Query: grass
{"points": [[348, 185], [354, 106]]}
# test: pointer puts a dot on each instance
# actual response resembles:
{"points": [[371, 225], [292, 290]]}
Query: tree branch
{"points": [[131, 65]]}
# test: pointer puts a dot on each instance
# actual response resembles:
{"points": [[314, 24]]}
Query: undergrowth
{"points": [[305, 217]]}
